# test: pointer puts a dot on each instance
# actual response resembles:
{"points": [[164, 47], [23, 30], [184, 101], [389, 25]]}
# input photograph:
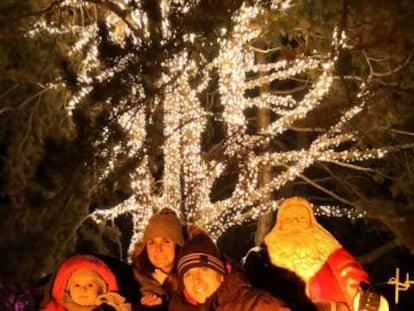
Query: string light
{"points": [[338, 212], [188, 177]]}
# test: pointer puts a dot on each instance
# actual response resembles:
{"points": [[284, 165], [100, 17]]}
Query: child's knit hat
{"points": [[200, 251], [165, 224]]}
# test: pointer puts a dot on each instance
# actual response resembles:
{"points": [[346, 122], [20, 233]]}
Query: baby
{"points": [[85, 283]]}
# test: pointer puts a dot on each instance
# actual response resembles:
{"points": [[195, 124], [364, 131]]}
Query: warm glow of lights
{"points": [[187, 176]]}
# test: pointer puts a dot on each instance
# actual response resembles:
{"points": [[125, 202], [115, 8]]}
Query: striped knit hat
{"points": [[200, 251]]}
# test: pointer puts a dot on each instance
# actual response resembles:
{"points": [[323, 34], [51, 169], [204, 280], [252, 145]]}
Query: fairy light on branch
{"points": [[184, 125], [188, 175], [338, 212], [280, 4]]}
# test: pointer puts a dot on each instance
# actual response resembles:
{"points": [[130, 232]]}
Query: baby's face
{"points": [[83, 290]]}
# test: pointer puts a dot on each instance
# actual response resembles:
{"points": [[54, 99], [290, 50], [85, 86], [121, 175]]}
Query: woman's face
{"points": [[161, 253]]}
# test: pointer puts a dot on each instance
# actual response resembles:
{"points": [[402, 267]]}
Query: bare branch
{"points": [[388, 73], [323, 189]]}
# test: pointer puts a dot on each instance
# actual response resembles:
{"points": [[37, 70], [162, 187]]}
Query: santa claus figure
{"points": [[300, 244]]}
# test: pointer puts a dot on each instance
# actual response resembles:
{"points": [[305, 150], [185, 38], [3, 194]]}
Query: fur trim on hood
{"points": [[81, 262]]}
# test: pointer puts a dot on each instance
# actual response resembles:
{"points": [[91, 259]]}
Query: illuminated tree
{"points": [[160, 100]]}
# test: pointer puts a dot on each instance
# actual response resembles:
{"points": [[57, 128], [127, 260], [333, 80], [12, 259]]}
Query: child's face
{"points": [[83, 290]]}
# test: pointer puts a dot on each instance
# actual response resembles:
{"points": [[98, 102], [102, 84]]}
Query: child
{"points": [[84, 283]]}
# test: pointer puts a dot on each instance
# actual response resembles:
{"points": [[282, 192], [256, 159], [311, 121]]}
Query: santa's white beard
{"points": [[303, 252]]}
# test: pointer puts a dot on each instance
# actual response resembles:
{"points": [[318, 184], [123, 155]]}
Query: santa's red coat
{"points": [[338, 279]]}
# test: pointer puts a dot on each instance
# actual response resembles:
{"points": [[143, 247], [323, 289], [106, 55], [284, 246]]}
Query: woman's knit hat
{"points": [[165, 224], [200, 251]]}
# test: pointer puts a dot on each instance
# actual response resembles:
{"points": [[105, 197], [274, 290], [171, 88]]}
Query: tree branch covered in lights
{"points": [[157, 104]]}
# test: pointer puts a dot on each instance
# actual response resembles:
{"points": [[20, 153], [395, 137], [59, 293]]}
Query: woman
{"points": [[154, 259]]}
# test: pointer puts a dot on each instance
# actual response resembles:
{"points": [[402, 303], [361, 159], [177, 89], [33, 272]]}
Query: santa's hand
{"points": [[151, 300], [114, 300]]}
